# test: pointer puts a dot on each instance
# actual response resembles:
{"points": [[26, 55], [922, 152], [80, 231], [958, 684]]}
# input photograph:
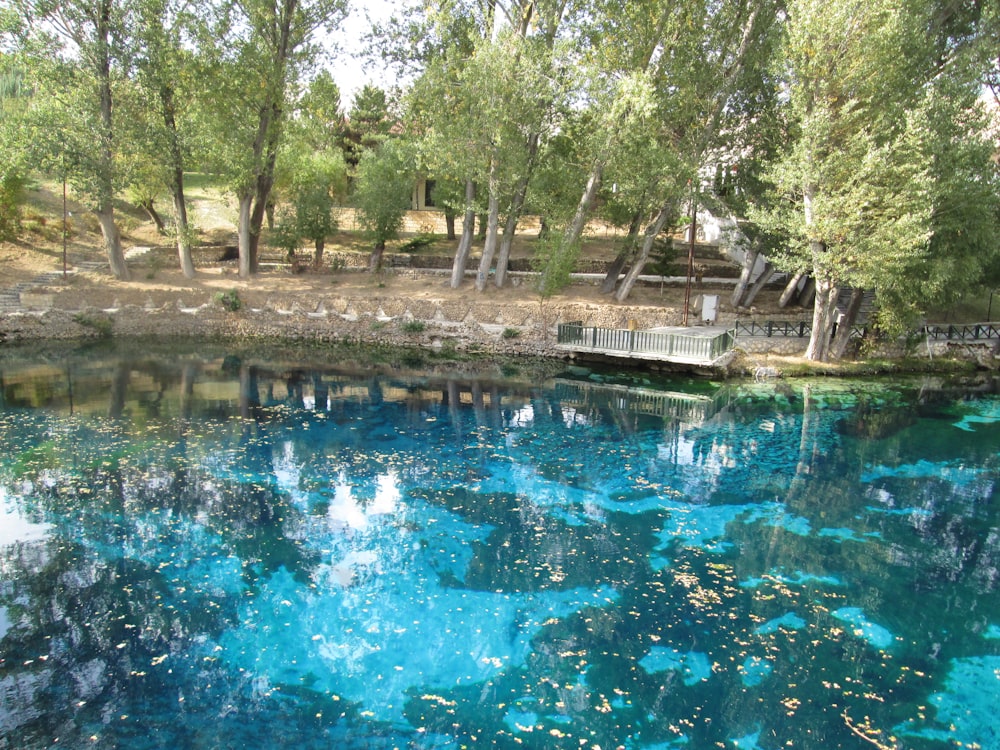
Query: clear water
{"points": [[208, 552]]}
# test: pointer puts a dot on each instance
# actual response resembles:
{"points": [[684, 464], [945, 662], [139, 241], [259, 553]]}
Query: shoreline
{"points": [[440, 340]]}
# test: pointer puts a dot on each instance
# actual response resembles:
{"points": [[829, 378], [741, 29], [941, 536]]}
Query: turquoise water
{"points": [[225, 552]]}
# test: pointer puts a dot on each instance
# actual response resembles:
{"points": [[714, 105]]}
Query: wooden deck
{"points": [[704, 346]]}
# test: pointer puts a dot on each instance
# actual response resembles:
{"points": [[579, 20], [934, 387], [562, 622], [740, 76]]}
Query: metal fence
{"points": [[964, 332], [626, 341], [789, 329]]}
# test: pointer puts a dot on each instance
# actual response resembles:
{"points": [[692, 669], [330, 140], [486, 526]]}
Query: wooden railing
{"points": [[626, 341]]}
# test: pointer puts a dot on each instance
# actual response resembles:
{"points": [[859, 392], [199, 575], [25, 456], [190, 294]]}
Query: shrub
{"points": [[229, 300], [414, 326], [11, 197], [511, 333], [100, 325], [418, 243]]}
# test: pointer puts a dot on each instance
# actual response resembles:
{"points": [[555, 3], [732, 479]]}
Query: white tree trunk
{"points": [[649, 239], [492, 230], [183, 236], [791, 288], [243, 235], [465, 243], [741, 286], [765, 276], [824, 310], [113, 243]]}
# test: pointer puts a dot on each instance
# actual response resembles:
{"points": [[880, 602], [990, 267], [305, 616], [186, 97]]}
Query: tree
{"points": [[711, 86], [262, 52], [165, 72], [321, 119], [961, 249], [858, 188], [78, 61], [382, 193], [320, 178], [368, 124], [13, 164]]}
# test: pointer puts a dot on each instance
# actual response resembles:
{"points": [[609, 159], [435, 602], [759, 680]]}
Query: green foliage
{"points": [[229, 300], [101, 325], [368, 124], [320, 180], [511, 333], [383, 189], [663, 256], [11, 198], [413, 326], [418, 243], [285, 235], [554, 262], [321, 120]]}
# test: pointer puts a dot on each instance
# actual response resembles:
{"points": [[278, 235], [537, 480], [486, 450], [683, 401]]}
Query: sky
{"points": [[349, 70]]}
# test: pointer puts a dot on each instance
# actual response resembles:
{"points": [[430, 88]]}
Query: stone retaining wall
{"points": [[528, 328], [496, 327]]}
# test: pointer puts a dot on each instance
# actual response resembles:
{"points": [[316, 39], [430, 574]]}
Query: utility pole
{"points": [[690, 271], [64, 219]]}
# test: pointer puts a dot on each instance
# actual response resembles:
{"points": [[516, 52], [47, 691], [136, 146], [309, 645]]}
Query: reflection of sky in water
{"points": [[421, 570], [14, 527]]}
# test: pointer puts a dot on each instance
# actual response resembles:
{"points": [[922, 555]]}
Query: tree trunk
{"points": [[182, 229], [808, 295], [375, 261], [105, 174], [506, 243], [617, 266], [575, 228], [791, 290], [824, 309], [843, 336], [113, 243], [652, 232], [154, 215], [492, 226], [765, 276], [177, 184], [749, 262], [449, 223], [514, 214], [318, 257], [623, 257], [243, 235], [468, 229]]}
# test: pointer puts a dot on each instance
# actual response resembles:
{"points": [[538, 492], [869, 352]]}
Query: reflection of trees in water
{"points": [[144, 482]]}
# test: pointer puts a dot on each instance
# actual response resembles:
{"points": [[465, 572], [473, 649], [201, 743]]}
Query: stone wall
{"points": [[494, 327]]}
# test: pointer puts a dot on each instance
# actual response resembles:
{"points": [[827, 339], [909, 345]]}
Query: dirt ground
{"points": [[156, 274]]}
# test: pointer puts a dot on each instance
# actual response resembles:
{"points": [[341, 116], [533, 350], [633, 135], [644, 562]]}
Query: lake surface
{"points": [[230, 551]]}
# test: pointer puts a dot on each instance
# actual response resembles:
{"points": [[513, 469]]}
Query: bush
{"points": [[11, 196], [418, 243], [413, 326], [229, 300], [511, 333], [100, 325]]}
